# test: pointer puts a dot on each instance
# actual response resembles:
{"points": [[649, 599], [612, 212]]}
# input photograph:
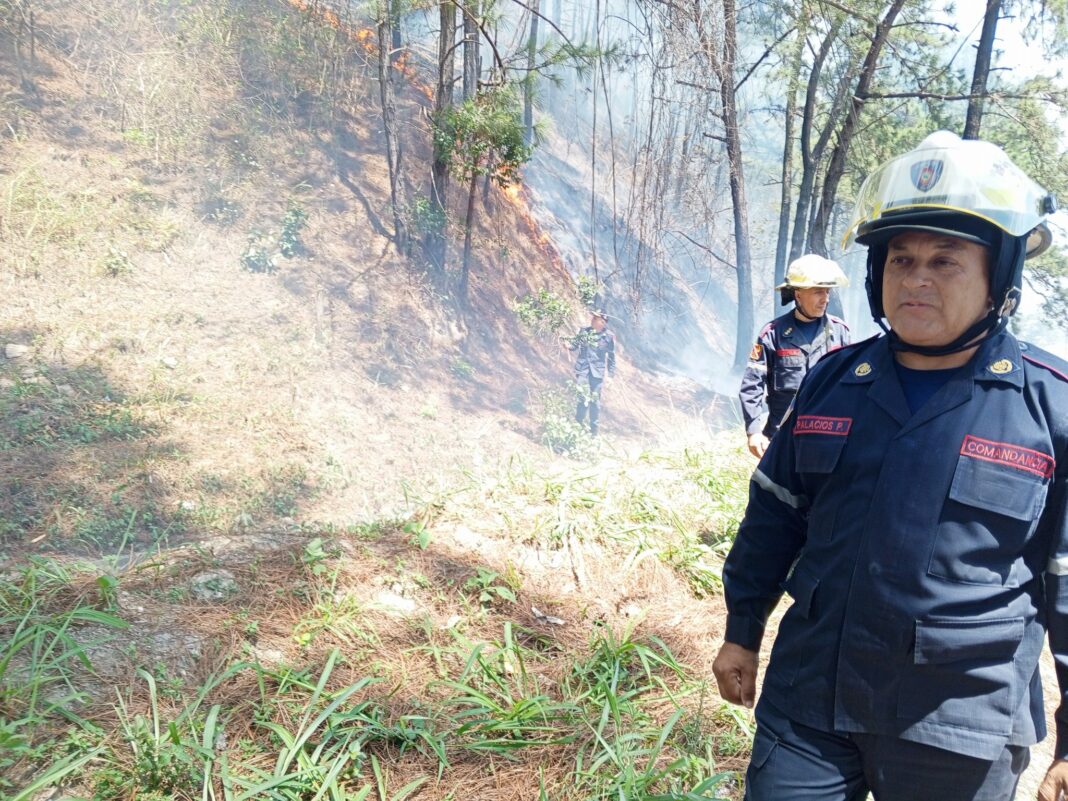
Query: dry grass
{"points": [[176, 415]]}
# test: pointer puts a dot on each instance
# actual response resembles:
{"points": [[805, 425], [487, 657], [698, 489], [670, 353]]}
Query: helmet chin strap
{"points": [[991, 325]]}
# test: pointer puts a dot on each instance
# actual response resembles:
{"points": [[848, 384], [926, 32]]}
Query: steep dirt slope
{"points": [[152, 156]]}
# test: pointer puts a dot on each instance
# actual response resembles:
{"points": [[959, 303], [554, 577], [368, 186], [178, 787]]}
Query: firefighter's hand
{"points": [[758, 443], [735, 669], [1055, 786]]}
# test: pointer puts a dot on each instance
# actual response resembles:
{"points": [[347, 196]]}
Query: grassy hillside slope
{"points": [[278, 521]]}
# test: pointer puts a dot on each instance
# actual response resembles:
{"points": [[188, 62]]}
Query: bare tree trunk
{"points": [[465, 269], [436, 242], [812, 155], [395, 32], [982, 69], [737, 182], [528, 84], [818, 237], [786, 189], [593, 142], [385, 85], [471, 61]]}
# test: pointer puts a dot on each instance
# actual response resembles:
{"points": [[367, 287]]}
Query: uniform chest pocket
{"points": [[991, 511], [789, 370], [817, 453]]}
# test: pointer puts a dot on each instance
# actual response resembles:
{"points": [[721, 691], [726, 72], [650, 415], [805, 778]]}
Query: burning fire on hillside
{"points": [[366, 38], [518, 197]]}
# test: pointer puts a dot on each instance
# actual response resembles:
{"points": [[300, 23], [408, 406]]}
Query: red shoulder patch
{"points": [[816, 424], [757, 353]]}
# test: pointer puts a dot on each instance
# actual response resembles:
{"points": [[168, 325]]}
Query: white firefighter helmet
{"points": [[945, 173], [812, 270]]}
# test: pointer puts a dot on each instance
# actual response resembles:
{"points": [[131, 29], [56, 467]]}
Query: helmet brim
{"points": [[880, 235]]}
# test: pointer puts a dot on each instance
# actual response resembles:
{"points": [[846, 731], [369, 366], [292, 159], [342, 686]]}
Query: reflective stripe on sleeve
{"points": [[1058, 566], [787, 497]]}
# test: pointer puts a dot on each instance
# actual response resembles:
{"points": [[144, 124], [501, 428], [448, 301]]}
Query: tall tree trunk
{"points": [[385, 85], [786, 189], [982, 69], [469, 221], [737, 181], [818, 237], [435, 240], [528, 84], [593, 141], [471, 61], [812, 154], [395, 31]]}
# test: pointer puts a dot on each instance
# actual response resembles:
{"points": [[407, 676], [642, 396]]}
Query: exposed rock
{"points": [[13, 351], [394, 604], [213, 585]]}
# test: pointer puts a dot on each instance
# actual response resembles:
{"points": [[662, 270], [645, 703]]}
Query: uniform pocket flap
{"points": [[944, 641], [996, 488], [763, 747], [817, 453], [801, 586]]}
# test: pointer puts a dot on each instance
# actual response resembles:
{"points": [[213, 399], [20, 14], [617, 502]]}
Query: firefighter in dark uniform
{"points": [[915, 508], [789, 345], [595, 348]]}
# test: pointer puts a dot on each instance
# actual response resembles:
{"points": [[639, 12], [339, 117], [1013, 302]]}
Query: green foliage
{"points": [[424, 218], [560, 432], [489, 590], [484, 135], [588, 288], [293, 223], [543, 312], [43, 659]]}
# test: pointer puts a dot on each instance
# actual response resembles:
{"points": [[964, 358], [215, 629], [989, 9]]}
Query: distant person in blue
{"points": [[595, 349], [789, 345], [914, 506]]}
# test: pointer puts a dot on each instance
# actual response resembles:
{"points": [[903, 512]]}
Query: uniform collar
{"points": [[998, 359]]}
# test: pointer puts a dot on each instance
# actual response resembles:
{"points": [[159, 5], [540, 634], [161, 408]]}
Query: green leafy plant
{"points": [[560, 431], [293, 223], [588, 288], [543, 312], [485, 583]]}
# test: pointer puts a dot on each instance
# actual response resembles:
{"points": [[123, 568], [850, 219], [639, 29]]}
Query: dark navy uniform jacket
{"points": [[777, 363], [596, 353], [926, 553]]}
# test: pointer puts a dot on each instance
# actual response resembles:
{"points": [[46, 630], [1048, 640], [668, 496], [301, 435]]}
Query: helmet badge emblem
{"points": [[1000, 367], [862, 370], [925, 174]]}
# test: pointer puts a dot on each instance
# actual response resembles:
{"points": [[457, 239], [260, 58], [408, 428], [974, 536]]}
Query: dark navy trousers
{"points": [[589, 400], [792, 762]]}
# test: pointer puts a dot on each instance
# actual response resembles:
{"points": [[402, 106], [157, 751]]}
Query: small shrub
{"points": [[424, 219], [257, 257], [117, 263], [292, 224], [588, 288], [544, 312], [560, 432], [462, 368]]}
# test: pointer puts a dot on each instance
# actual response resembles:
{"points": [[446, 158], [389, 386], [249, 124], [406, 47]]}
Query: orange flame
{"points": [[517, 197]]}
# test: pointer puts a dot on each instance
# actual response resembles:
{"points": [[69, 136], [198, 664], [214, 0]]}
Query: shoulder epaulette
{"points": [[850, 346], [1042, 358], [840, 321]]}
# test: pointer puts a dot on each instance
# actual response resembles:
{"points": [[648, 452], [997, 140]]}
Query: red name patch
{"points": [[788, 352], [814, 424], [1036, 462]]}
